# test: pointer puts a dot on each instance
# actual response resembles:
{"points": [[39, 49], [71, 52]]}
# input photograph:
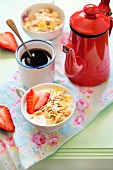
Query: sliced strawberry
{"points": [[31, 99], [42, 100], [8, 41], [6, 122]]}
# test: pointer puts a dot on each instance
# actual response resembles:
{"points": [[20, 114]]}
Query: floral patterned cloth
{"points": [[27, 145]]}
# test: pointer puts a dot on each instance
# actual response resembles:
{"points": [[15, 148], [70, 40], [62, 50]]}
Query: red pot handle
{"points": [[104, 7], [111, 25]]}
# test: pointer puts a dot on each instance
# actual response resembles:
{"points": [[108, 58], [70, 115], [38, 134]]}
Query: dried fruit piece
{"points": [[42, 26], [31, 17], [49, 121], [27, 24], [41, 10], [52, 25], [68, 98], [48, 10], [58, 89], [55, 14]]}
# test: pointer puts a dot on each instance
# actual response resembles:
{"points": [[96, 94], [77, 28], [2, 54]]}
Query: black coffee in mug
{"points": [[39, 57]]}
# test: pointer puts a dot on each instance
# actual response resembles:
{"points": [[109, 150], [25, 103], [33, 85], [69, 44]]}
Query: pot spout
{"points": [[74, 65]]}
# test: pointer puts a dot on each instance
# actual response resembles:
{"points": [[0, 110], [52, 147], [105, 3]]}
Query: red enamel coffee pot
{"points": [[87, 60]]}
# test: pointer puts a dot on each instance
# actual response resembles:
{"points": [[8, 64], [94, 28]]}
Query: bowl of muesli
{"points": [[43, 21], [47, 106]]}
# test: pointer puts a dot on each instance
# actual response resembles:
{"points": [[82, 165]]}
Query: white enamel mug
{"points": [[33, 75]]}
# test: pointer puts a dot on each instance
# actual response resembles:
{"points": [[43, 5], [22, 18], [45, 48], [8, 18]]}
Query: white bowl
{"points": [[43, 35], [43, 126]]}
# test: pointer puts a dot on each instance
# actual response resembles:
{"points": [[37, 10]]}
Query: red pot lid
{"points": [[89, 21]]}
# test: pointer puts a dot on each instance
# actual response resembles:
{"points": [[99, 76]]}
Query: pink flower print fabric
{"points": [[10, 141], [2, 147], [27, 145], [53, 140], [79, 120], [38, 138], [81, 105]]}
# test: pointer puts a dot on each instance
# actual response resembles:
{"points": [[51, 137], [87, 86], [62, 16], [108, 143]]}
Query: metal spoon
{"points": [[12, 25]]}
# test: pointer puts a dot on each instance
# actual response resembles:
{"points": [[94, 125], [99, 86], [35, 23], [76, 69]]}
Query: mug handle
{"points": [[20, 92]]}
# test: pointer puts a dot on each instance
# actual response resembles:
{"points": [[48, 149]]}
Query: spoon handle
{"points": [[12, 25]]}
